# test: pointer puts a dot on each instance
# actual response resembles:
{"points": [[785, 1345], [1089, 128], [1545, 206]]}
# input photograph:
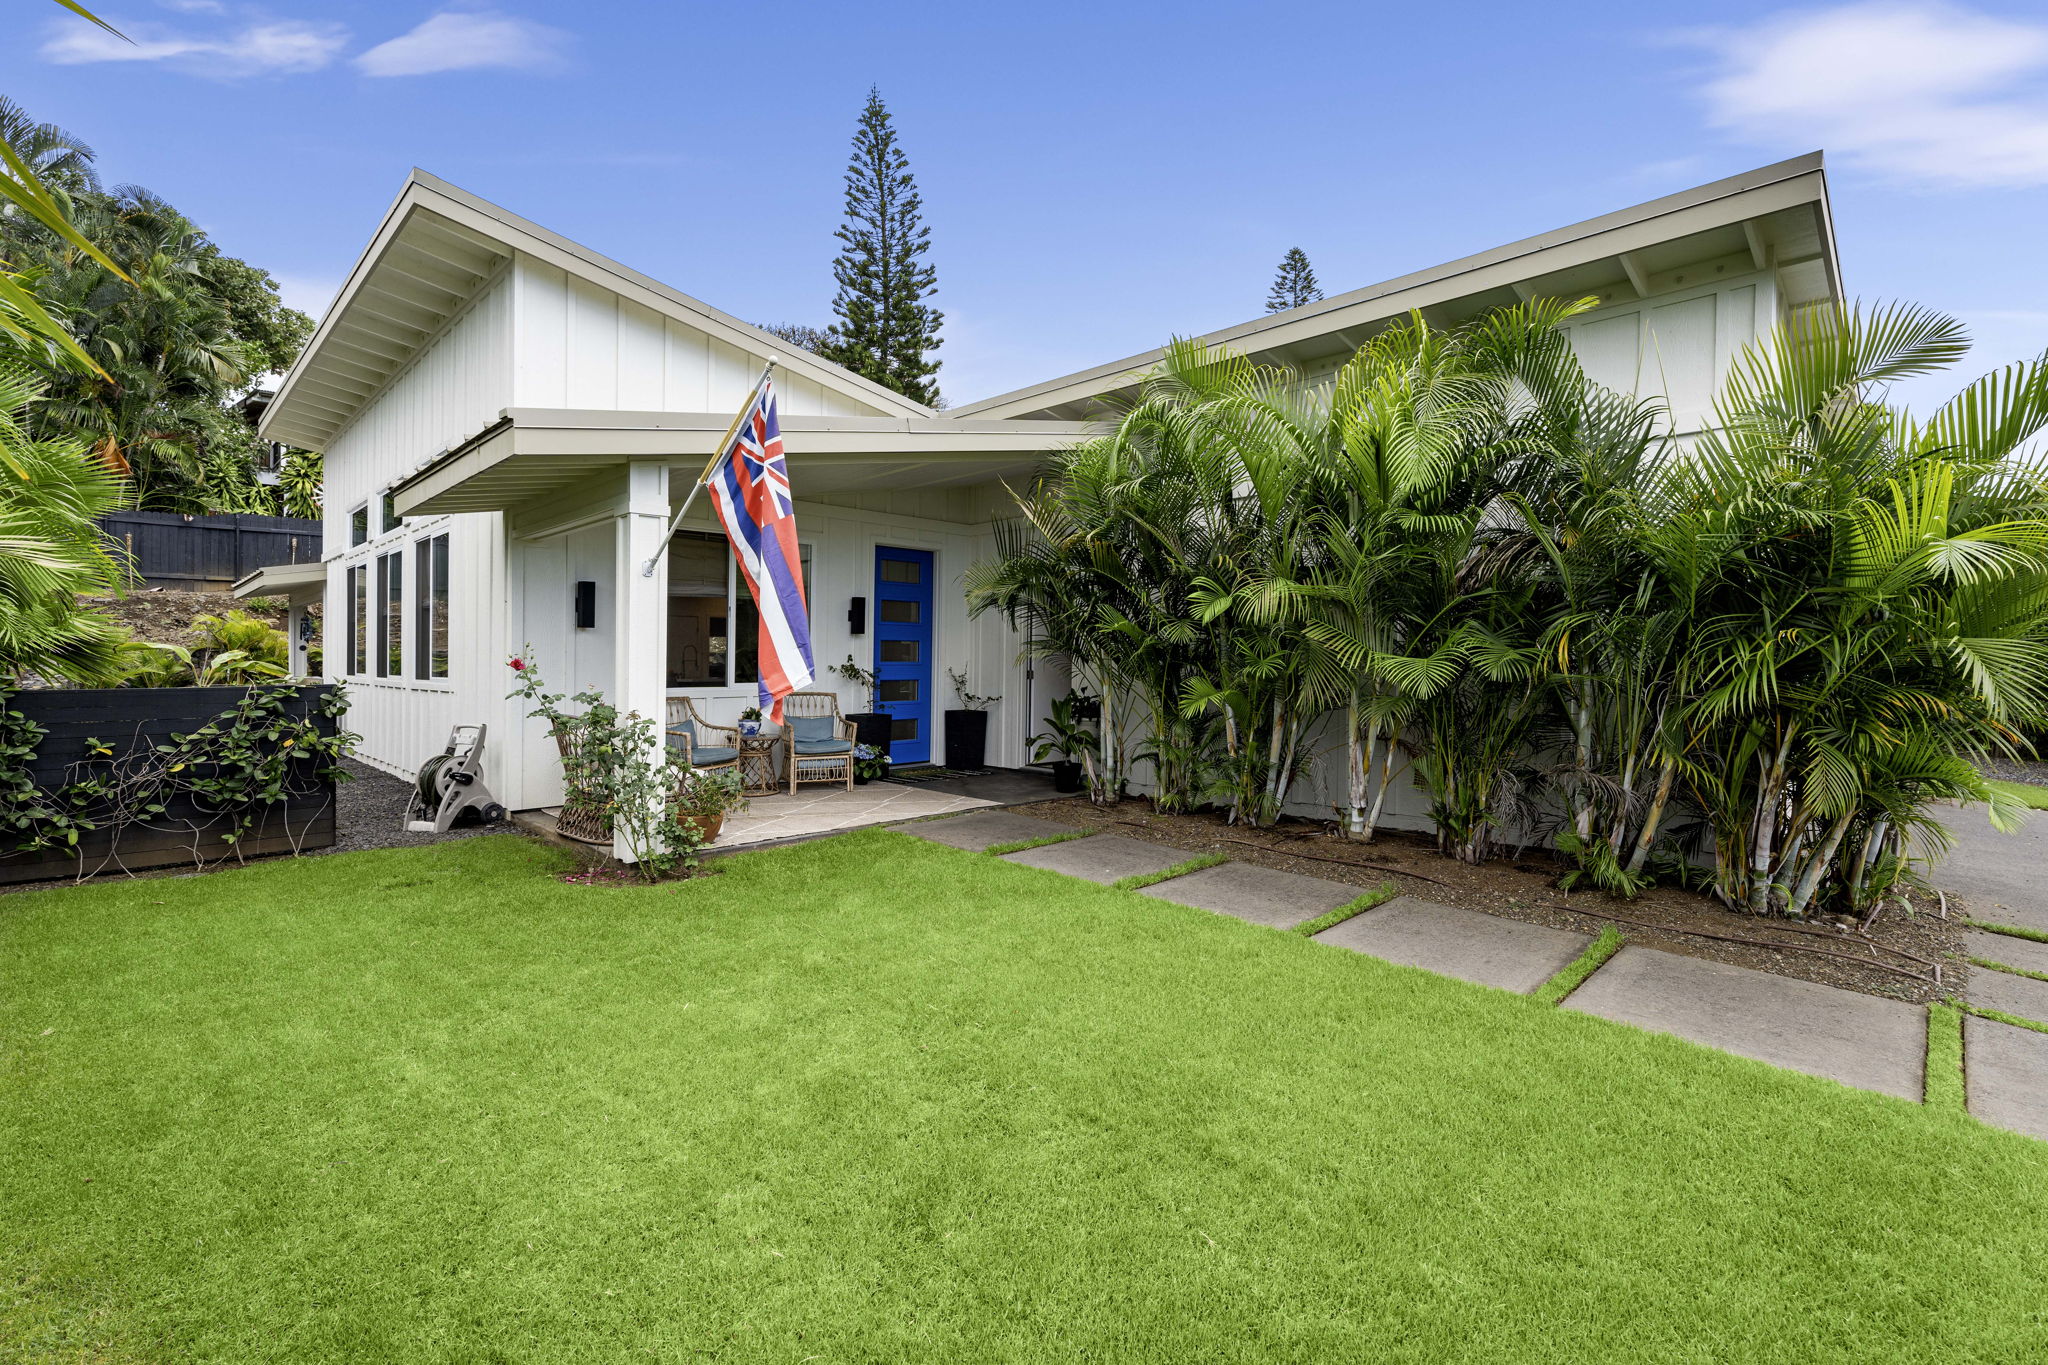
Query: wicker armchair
{"points": [[583, 816], [817, 741], [704, 746]]}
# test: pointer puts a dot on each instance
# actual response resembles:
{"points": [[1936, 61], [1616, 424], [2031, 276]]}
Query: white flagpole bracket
{"points": [[676, 521]]}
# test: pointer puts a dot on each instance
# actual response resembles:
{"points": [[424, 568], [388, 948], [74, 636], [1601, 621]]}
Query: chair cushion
{"points": [[816, 747], [703, 755], [684, 726], [812, 728]]}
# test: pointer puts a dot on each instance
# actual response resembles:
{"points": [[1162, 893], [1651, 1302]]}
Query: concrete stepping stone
{"points": [[1845, 1036], [2006, 1070], [1467, 944], [1997, 875], [1261, 895], [977, 831], [1102, 858], [2023, 953], [2008, 994]]}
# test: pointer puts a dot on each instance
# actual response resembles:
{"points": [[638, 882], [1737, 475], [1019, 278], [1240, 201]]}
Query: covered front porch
{"points": [[891, 513]]}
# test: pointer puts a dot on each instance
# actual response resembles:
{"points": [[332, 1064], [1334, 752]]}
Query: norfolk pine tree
{"points": [[1295, 284], [885, 330]]}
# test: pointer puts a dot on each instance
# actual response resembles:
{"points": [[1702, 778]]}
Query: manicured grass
{"points": [[1166, 874], [1036, 841], [2017, 1021], [1945, 1059], [1989, 965], [872, 1099], [2011, 930], [1579, 968], [1330, 919], [2026, 792]]}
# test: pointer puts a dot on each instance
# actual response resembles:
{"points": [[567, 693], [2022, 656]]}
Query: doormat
{"points": [[933, 774]]}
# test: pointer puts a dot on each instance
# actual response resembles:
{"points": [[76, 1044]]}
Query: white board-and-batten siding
{"points": [[579, 345]]}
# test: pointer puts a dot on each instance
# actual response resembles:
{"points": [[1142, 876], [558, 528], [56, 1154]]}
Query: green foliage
{"points": [[173, 332], [1481, 568], [299, 484], [2011, 930], [1065, 736], [801, 335], [243, 632], [1294, 284], [237, 768], [885, 331], [1330, 919], [1576, 971], [617, 765], [52, 550]]}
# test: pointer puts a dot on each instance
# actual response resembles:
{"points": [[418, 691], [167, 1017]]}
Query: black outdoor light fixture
{"points": [[586, 605], [857, 616]]}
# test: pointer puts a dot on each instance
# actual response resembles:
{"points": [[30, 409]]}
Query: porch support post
{"points": [[640, 602], [295, 632]]}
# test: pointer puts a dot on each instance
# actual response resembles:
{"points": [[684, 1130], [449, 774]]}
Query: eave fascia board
{"points": [[1752, 194]]}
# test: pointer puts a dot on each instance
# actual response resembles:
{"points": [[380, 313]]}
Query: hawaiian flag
{"points": [[749, 486]]}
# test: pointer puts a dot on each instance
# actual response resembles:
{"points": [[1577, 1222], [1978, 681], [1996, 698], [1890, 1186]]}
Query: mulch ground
{"points": [[1898, 959]]}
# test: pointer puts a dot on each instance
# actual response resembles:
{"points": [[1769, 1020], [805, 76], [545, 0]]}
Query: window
{"points": [[901, 651], [430, 624], [359, 525], [902, 571], [358, 618], [901, 613], [388, 514], [391, 615], [899, 689], [713, 627]]}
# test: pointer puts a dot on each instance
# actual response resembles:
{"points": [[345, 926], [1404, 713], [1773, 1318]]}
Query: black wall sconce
{"points": [[586, 605], [857, 616]]}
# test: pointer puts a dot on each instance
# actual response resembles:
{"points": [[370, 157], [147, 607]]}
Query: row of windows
{"points": [[359, 520], [376, 612]]}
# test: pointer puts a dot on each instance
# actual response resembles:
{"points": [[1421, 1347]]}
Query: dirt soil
{"points": [[163, 616], [1914, 957]]}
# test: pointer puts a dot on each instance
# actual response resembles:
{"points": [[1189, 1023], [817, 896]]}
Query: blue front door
{"points": [[903, 649]]}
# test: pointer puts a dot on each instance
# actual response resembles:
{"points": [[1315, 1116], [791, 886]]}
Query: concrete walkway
{"points": [[1846, 1036]]}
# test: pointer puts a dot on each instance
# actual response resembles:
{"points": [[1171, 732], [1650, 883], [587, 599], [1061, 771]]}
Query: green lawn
{"points": [[870, 1099]]}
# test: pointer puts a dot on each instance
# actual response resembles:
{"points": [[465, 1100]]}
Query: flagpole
{"points": [[717, 454]]}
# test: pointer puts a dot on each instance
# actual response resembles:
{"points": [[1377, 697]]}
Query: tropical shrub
{"points": [[1472, 567]]}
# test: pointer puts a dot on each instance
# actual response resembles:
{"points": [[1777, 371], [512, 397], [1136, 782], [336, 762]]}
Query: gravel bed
{"points": [[370, 813]]}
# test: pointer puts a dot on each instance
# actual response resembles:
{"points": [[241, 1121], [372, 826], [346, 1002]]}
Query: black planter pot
{"points": [[966, 738], [859, 779], [872, 728], [1066, 776]]}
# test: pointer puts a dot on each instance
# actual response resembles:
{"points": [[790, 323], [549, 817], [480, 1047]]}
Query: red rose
{"points": [[518, 665]]}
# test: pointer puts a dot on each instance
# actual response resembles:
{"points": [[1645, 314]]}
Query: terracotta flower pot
{"points": [[707, 826]]}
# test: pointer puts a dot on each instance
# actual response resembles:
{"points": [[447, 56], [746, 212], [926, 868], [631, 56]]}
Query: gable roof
{"points": [[1774, 217], [436, 247]]}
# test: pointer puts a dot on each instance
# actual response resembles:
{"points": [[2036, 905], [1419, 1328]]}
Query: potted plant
{"points": [[704, 797], [966, 725], [872, 726], [750, 721], [1069, 737], [869, 763]]}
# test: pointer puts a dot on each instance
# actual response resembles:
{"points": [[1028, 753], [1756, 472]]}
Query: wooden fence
{"points": [[207, 554], [135, 719]]}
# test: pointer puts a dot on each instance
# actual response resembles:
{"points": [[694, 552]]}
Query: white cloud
{"points": [[262, 47], [465, 41], [1925, 93]]}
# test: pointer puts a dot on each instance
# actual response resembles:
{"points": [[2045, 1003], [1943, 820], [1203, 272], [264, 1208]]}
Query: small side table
{"points": [[758, 774]]}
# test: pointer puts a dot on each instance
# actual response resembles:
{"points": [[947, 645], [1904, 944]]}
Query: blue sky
{"points": [[1097, 177]]}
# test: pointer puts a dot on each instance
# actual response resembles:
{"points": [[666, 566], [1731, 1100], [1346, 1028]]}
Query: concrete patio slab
{"points": [[1467, 944], [1102, 857], [2008, 994], [1997, 875], [819, 809], [977, 831], [2023, 953], [1845, 1036], [1261, 895], [2006, 1071]]}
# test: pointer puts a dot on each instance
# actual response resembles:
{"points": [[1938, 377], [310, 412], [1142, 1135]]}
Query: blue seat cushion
{"points": [[806, 728], [712, 753], [813, 748]]}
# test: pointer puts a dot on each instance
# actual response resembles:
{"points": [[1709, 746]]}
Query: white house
{"points": [[507, 415]]}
